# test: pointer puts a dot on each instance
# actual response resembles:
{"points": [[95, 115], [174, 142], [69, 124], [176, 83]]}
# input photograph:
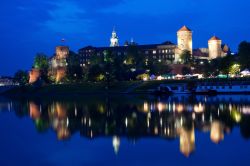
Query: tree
{"points": [[108, 67], [244, 54], [225, 63], [74, 70], [41, 62], [234, 69], [21, 77], [160, 68], [95, 59], [186, 57], [95, 73]]}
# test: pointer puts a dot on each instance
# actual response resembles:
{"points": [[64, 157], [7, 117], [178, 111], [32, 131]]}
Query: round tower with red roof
{"points": [[214, 47], [184, 39]]}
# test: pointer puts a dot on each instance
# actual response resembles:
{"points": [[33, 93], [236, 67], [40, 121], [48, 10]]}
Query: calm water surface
{"points": [[125, 130]]}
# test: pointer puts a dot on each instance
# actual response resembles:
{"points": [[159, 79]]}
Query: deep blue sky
{"points": [[31, 26]]}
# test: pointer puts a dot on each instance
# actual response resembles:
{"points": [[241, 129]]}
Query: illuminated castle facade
{"points": [[185, 39], [114, 40], [58, 63], [167, 52]]}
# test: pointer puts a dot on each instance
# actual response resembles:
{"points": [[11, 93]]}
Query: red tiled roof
{"points": [[214, 38], [184, 28]]}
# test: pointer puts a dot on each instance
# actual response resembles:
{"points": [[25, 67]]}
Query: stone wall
{"points": [[34, 75]]}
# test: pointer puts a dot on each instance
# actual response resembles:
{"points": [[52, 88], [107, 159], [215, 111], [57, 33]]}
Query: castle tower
{"points": [[62, 52], [214, 47], [114, 41], [184, 39]]}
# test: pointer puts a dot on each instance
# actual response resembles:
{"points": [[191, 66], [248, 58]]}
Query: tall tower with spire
{"points": [[114, 41]]}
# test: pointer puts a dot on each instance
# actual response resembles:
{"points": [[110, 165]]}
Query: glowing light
{"points": [[193, 116], [236, 116], [160, 107], [148, 123], [199, 108], [89, 122], [34, 111], [180, 108], [159, 78], [126, 122], [245, 110], [145, 107], [216, 133], [156, 130], [116, 144], [187, 141]]}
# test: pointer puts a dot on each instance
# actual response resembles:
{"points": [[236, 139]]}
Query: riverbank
{"points": [[90, 88], [86, 88]]}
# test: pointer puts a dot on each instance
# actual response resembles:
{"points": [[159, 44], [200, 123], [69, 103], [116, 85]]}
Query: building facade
{"points": [[167, 51], [58, 63], [159, 52]]}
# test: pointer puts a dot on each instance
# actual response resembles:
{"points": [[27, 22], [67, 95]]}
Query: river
{"points": [[125, 130]]}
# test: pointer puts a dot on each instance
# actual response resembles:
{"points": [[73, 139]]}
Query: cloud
{"points": [[156, 7], [67, 18]]}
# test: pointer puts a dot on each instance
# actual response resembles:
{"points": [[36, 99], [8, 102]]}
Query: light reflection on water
{"points": [[137, 117]]}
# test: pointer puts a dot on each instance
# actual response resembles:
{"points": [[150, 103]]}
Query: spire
{"points": [[114, 41]]}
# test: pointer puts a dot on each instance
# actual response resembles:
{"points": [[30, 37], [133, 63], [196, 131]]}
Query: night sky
{"points": [[31, 26]]}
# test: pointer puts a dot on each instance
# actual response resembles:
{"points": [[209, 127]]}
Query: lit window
{"points": [[154, 52]]}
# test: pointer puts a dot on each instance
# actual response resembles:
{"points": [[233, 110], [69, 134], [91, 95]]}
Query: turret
{"points": [[214, 47], [185, 41], [114, 41]]}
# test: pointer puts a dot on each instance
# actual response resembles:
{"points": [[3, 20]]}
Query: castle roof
{"points": [[184, 28], [214, 38]]}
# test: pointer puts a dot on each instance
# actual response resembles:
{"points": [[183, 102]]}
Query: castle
{"points": [[167, 52]]}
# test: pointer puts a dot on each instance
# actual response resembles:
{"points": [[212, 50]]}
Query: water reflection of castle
{"points": [[168, 118]]}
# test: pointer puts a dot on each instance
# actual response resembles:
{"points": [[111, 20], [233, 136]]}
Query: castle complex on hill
{"points": [[166, 52]]}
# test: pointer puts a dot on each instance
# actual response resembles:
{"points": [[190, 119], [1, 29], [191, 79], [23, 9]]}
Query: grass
{"points": [[101, 88], [81, 88]]}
